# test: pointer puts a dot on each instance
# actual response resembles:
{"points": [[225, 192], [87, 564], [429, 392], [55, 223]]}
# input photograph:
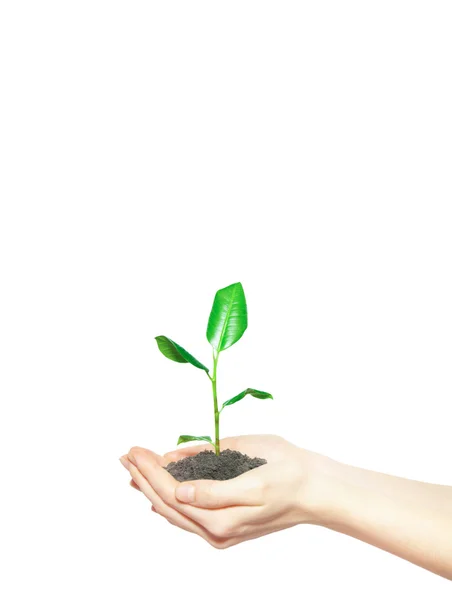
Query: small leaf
{"points": [[175, 352], [191, 438], [255, 393], [228, 318]]}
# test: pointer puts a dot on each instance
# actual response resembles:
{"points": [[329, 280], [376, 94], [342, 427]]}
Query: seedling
{"points": [[228, 321]]}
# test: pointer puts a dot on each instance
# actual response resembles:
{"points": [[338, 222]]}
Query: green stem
{"points": [[215, 404]]}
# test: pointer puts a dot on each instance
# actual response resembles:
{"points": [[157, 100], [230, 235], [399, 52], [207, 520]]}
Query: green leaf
{"points": [[255, 393], [175, 352], [228, 318], [192, 438]]}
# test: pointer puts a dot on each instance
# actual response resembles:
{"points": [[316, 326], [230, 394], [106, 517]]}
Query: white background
{"points": [[153, 152]]}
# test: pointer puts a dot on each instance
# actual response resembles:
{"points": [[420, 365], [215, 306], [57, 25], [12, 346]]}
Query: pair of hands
{"points": [[272, 497]]}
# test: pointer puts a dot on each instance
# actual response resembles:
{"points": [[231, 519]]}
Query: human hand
{"points": [[411, 519], [275, 496]]}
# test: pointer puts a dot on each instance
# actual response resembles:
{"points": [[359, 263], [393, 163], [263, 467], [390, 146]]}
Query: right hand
{"points": [[275, 496]]}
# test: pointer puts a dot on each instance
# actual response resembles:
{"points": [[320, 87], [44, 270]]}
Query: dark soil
{"points": [[207, 465]]}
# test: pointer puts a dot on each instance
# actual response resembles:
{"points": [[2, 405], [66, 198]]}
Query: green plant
{"points": [[228, 321]]}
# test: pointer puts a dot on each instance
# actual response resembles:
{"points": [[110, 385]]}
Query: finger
{"points": [[160, 507], [126, 464], [220, 533], [134, 485], [163, 483], [221, 526], [172, 515], [125, 461], [245, 490], [150, 468]]}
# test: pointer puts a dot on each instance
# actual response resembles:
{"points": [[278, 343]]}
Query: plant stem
{"points": [[215, 404]]}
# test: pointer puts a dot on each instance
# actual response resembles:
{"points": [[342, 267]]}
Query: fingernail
{"points": [[185, 493], [132, 459], [125, 463]]}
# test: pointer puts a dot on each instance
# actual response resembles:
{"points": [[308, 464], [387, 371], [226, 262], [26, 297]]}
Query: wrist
{"points": [[322, 498]]}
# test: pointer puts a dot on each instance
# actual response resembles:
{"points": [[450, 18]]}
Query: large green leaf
{"points": [[191, 438], [228, 318], [175, 352], [251, 392]]}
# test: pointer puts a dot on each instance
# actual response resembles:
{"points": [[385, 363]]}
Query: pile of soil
{"points": [[207, 465]]}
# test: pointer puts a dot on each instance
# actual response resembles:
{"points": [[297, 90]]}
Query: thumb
{"points": [[245, 490]]}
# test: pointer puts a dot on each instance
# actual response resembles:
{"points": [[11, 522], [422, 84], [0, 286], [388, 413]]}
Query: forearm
{"points": [[408, 518]]}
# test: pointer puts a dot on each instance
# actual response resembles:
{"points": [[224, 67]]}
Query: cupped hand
{"points": [[275, 496]]}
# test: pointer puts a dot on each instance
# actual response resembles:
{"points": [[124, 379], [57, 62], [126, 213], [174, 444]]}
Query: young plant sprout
{"points": [[228, 321]]}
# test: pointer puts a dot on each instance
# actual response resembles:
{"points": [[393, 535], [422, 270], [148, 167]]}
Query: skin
{"points": [[410, 519]]}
